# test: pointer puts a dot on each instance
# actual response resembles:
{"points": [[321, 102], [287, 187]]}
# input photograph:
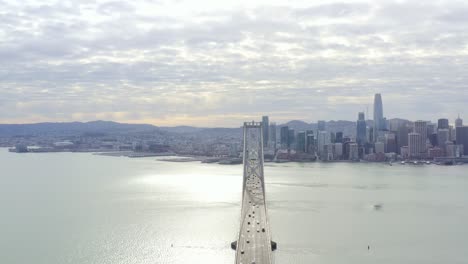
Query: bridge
{"points": [[254, 244]]}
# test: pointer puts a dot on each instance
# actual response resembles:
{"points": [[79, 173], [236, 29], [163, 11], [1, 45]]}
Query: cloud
{"points": [[165, 60]]}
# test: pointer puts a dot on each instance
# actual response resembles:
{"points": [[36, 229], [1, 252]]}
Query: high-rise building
{"points": [[402, 137], [266, 128], [339, 137], [379, 122], [338, 154], [321, 125], [361, 130], [353, 151], [452, 133], [458, 122], [433, 139], [390, 143], [284, 135], [442, 123], [414, 145], [420, 127], [462, 138], [272, 135], [301, 141], [291, 138], [443, 135], [310, 141], [431, 128], [322, 141]]}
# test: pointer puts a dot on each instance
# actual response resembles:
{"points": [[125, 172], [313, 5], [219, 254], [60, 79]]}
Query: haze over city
{"points": [[219, 63]]}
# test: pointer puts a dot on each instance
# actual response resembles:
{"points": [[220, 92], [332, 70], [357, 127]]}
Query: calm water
{"points": [[81, 208]]}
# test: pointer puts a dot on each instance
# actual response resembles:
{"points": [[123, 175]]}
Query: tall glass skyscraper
{"points": [[443, 123], [361, 130], [379, 122]]}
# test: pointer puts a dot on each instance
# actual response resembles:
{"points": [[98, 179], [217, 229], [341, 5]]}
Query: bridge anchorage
{"points": [[254, 244]]}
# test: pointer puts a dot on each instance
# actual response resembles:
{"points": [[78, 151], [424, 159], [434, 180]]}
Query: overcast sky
{"points": [[219, 63]]}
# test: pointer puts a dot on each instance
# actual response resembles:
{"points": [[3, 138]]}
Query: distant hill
{"points": [[106, 127], [299, 125], [182, 129], [71, 128]]}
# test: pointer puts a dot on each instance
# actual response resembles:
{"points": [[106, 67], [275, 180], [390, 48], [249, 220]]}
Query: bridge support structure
{"points": [[254, 244]]}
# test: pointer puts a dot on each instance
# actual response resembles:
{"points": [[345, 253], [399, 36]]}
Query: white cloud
{"points": [[189, 61]]}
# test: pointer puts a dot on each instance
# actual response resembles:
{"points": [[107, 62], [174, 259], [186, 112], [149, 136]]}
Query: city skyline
{"points": [[219, 63]]}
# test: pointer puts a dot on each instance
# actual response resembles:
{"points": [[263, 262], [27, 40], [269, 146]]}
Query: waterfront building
{"points": [[272, 135], [379, 147], [301, 141], [379, 121], [450, 150], [462, 138], [329, 152], [284, 135], [442, 123], [414, 145], [436, 152], [353, 151], [404, 152], [338, 151], [322, 140], [420, 127], [266, 128], [361, 130]]}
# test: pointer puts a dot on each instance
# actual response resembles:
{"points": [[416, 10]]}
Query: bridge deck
{"points": [[254, 242]]}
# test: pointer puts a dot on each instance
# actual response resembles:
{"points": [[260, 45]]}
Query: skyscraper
{"points": [[322, 140], [266, 128], [339, 137], [284, 135], [462, 138], [361, 130], [390, 143], [414, 145], [272, 135], [420, 127], [301, 141], [402, 137], [379, 122], [321, 125], [310, 141], [291, 138], [443, 123], [458, 122], [443, 135], [353, 151]]}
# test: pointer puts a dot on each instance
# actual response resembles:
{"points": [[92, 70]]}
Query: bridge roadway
{"points": [[254, 244]]}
